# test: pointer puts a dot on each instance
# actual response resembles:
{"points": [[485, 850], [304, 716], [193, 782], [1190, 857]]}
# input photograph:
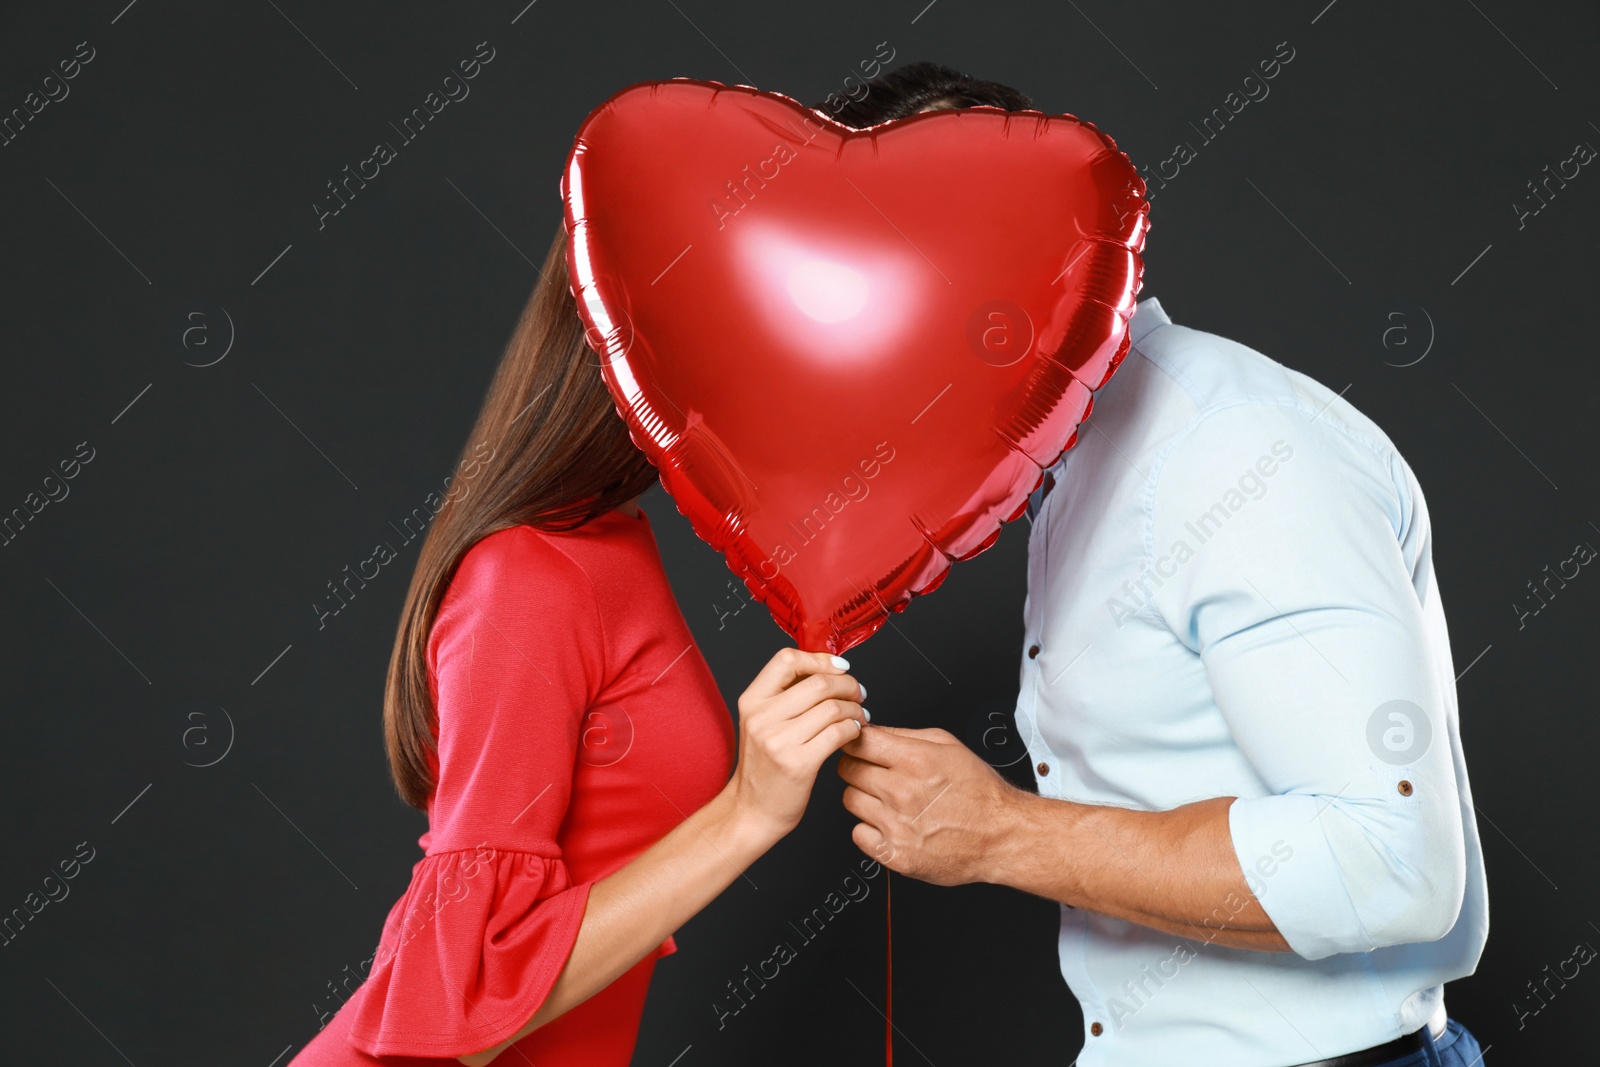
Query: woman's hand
{"points": [[799, 710]]}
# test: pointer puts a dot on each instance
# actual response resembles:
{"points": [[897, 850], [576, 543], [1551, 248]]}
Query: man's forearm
{"points": [[931, 809], [1172, 870]]}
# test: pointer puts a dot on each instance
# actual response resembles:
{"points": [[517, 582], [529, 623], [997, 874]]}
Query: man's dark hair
{"points": [[912, 88]]}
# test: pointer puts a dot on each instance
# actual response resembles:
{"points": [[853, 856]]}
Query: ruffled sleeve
{"points": [[471, 950]]}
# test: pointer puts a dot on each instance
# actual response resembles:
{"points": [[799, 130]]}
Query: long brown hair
{"points": [[558, 455]]}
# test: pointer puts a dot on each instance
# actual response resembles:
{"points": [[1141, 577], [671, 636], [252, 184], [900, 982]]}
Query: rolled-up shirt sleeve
{"points": [[1278, 538]]}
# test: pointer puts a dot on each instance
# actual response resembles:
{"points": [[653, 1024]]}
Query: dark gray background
{"points": [[221, 900]]}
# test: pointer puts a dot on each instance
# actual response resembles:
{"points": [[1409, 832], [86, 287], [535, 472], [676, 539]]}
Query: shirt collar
{"points": [[1147, 315]]}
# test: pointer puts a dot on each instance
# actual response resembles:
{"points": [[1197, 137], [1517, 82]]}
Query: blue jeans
{"points": [[1457, 1048]]}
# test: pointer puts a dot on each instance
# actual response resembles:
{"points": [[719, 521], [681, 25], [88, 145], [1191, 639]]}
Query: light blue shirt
{"points": [[1231, 589]]}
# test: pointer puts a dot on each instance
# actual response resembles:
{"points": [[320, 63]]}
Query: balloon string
{"points": [[888, 978]]}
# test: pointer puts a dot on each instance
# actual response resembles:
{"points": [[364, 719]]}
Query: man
{"points": [[1239, 705]]}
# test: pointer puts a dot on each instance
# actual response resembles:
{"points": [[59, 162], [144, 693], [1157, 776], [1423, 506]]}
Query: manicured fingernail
{"points": [[863, 691], [867, 713], [842, 663]]}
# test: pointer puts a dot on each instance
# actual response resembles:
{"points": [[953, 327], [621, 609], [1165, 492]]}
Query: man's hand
{"points": [[928, 806], [932, 809]]}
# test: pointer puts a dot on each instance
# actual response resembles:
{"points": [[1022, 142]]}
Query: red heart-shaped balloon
{"points": [[850, 353]]}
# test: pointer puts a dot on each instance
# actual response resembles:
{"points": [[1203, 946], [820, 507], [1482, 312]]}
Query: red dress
{"points": [[578, 724]]}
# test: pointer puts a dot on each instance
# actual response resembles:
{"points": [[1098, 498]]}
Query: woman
{"points": [[547, 708]]}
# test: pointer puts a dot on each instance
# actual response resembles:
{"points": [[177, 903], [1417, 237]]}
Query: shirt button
{"points": [[1405, 788], [1044, 769], [1096, 1029], [1033, 651]]}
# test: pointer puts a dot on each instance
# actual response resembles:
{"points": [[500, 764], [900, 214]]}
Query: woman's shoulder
{"points": [[518, 553], [601, 542], [607, 569], [521, 575], [516, 592]]}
